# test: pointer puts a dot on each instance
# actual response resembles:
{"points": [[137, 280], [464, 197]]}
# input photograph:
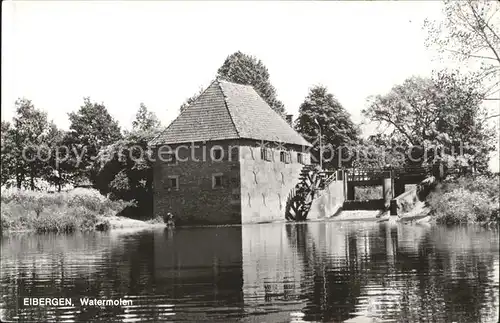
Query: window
{"points": [[234, 153], [282, 156], [285, 157], [300, 158], [217, 154], [265, 154], [173, 182], [217, 180]]}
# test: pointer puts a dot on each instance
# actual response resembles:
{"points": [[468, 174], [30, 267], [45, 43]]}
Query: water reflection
{"points": [[260, 273]]}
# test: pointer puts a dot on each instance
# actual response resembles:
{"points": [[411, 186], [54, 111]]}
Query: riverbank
{"points": [[80, 209], [465, 200], [459, 200]]}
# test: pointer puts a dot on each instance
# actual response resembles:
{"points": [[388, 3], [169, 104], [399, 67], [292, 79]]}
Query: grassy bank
{"points": [[76, 210], [466, 200]]}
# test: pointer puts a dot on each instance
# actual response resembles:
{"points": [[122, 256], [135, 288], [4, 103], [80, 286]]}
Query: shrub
{"points": [[465, 200], [79, 209], [86, 219], [486, 184], [156, 219], [53, 222], [6, 221], [104, 225], [363, 193]]}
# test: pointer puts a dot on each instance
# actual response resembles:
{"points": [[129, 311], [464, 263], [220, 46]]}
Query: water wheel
{"points": [[300, 199]]}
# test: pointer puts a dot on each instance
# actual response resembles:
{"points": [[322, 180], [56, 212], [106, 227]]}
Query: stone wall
{"points": [[406, 201], [328, 202], [265, 185], [196, 201], [254, 190]]}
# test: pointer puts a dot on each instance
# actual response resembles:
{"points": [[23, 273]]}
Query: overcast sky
{"points": [[160, 53]]}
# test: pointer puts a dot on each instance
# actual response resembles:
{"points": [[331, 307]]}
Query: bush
{"points": [[53, 222], [80, 209], [363, 193], [466, 200], [104, 225], [156, 219]]}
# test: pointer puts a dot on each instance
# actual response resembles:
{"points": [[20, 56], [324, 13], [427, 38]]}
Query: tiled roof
{"points": [[229, 111]]}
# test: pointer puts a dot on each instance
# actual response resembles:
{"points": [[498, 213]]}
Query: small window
{"points": [[300, 158], [217, 154], [265, 154], [234, 153], [217, 180], [173, 182], [285, 157]]}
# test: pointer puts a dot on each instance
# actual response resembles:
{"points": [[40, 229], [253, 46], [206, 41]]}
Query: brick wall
{"points": [[196, 201], [254, 190]]}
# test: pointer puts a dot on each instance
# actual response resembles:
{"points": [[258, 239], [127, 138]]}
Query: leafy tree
{"points": [[245, 69], [145, 120], [56, 170], [29, 133], [92, 128], [26, 150], [191, 99], [7, 159], [124, 170], [378, 151], [338, 130], [441, 116], [470, 31]]}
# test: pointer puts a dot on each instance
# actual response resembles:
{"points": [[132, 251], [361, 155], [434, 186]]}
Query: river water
{"points": [[320, 271]]}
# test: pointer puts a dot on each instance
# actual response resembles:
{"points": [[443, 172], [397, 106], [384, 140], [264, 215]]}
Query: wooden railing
{"points": [[355, 175], [413, 171], [329, 177]]}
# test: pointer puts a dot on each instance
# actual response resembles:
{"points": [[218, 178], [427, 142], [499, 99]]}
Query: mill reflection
{"points": [[334, 272], [200, 269], [318, 271]]}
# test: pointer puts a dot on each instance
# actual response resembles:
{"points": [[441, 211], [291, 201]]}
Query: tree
{"points": [[439, 116], [30, 132], [338, 130], [56, 171], [92, 128], [245, 69], [23, 156], [191, 99], [124, 170], [145, 120], [470, 31], [7, 160], [378, 151]]}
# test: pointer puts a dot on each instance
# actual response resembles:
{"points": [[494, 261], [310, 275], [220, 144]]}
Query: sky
{"points": [[123, 53]]}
